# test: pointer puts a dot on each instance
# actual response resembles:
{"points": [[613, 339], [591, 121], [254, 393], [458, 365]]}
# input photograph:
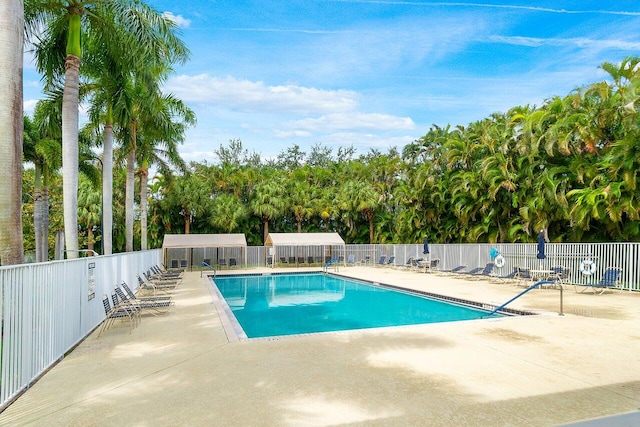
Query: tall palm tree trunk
{"points": [[107, 190], [90, 240], [129, 187], [369, 215], [11, 128], [41, 212], [45, 215], [187, 220], [38, 211], [70, 156], [266, 230], [144, 175]]}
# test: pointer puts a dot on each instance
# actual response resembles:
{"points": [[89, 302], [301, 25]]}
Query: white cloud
{"points": [[351, 121], [199, 156], [495, 6], [179, 20], [29, 59], [580, 42], [364, 141], [29, 106], [372, 50], [248, 96], [292, 134]]}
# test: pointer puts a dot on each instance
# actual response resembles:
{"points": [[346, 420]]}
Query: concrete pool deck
{"points": [[180, 369]]}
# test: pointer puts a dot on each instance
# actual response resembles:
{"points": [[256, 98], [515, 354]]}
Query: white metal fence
{"points": [[469, 255], [567, 255], [48, 308]]}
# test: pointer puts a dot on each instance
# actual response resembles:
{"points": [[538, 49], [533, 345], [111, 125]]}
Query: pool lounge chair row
{"points": [[416, 264], [475, 273], [384, 262], [129, 306], [154, 285], [559, 275], [488, 271], [158, 272], [422, 265], [455, 270]]}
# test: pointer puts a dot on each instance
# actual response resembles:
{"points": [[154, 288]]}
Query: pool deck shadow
{"points": [[180, 368]]}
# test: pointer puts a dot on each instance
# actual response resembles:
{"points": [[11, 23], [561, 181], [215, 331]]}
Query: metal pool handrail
{"points": [[204, 264], [535, 285]]}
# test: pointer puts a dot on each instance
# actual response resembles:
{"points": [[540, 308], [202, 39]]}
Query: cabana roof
{"points": [[303, 239], [204, 241]]}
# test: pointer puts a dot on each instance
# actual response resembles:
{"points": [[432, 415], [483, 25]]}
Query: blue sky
{"points": [[377, 74]]}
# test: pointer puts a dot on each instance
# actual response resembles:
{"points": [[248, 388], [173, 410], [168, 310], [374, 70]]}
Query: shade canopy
{"points": [[189, 250], [204, 241], [303, 248], [303, 239]]}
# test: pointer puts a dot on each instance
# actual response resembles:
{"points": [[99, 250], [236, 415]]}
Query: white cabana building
{"points": [[217, 250], [300, 249]]}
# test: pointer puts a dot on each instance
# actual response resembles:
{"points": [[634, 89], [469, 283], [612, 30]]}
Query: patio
{"points": [[528, 371]]}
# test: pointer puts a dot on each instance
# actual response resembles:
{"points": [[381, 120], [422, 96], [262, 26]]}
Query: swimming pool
{"points": [[289, 304]]}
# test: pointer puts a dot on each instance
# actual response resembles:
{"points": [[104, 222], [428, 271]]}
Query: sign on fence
{"points": [[92, 282]]}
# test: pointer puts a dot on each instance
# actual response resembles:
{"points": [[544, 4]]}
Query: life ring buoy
{"points": [[587, 267], [499, 261]]}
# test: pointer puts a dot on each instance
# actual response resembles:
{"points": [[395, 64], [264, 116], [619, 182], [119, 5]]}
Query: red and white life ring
{"points": [[587, 267]]}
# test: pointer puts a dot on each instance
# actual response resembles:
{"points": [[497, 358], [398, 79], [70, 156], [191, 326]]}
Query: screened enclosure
{"points": [[303, 249], [217, 250]]}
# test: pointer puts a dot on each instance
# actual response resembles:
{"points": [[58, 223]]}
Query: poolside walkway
{"points": [[180, 369]]}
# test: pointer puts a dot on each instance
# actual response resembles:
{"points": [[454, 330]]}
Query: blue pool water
{"points": [[287, 304]]}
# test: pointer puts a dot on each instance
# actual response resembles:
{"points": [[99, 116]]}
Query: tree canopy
{"points": [[569, 166]]}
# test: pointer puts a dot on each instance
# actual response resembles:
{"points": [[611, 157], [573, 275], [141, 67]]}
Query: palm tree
{"points": [[42, 147], [29, 151], [11, 129], [89, 210], [423, 149], [162, 130], [149, 121], [323, 206], [160, 219], [114, 97], [359, 197], [136, 31], [299, 200], [138, 108], [197, 201], [107, 189], [268, 201], [107, 104], [609, 199], [228, 212]]}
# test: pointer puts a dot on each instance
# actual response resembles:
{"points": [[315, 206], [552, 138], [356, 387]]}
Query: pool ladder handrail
{"points": [[535, 285], [204, 264]]}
